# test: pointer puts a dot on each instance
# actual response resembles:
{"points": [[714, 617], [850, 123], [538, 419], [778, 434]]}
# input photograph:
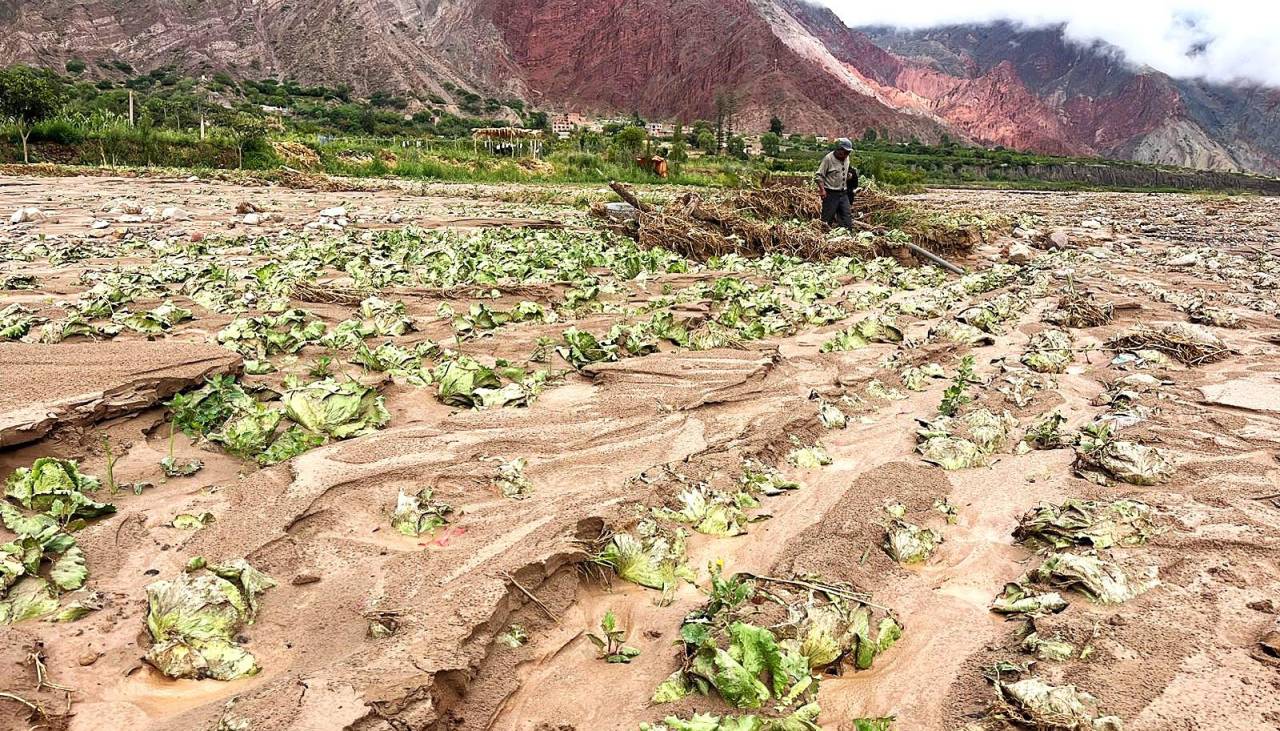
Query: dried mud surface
{"points": [[604, 444]]}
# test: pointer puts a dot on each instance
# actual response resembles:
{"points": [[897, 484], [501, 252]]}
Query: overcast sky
{"points": [[1221, 40]]}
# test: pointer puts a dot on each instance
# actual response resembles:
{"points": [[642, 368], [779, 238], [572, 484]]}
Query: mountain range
{"points": [[997, 84]]}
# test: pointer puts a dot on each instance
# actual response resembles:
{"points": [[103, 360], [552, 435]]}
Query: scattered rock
{"points": [[252, 219], [88, 658], [100, 224], [1058, 239], [1091, 223], [173, 213], [246, 207], [27, 214], [302, 579], [1019, 253], [395, 217], [337, 212], [1264, 605]]}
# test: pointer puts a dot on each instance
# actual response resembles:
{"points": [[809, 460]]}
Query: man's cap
{"points": [[844, 144]]}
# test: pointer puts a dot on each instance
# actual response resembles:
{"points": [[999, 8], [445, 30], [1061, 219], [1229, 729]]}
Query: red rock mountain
{"points": [[669, 59]]}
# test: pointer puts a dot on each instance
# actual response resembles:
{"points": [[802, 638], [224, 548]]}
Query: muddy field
{"points": [[456, 425]]}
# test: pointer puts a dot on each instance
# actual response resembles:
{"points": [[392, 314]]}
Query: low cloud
{"points": [[1224, 40]]}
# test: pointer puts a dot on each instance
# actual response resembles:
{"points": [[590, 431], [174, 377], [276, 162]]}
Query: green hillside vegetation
{"points": [[268, 124]]}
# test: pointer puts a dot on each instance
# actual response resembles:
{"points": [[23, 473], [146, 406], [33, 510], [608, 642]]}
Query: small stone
{"points": [[1058, 239], [1019, 253], [27, 215], [337, 212], [88, 659], [1263, 605], [197, 237], [1092, 223], [252, 219], [302, 579]]}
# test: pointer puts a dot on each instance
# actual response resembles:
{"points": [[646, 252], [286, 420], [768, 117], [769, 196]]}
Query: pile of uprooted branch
{"points": [[700, 229], [870, 207], [773, 220]]}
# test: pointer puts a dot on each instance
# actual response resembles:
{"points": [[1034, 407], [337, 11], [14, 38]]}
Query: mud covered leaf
{"points": [[58, 488], [386, 318], [951, 453], [191, 521], [1136, 464], [511, 481], [1049, 649], [655, 561], [172, 467], [420, 513], [30, 598], [153, 322], [675, 687], [249, 430], [708, 511], [582, 348], [339, 410], [1037, 704], [1046, 433], [809, 458], [460, 378], [1102, 581], [761, 479], [16, 321], [250, 581], [957, 332], [258, 337], [289, 444], [870, 645], [831, 416], [1020, 598], [205, 409], [192, 621], [909, 543], [861, 334], [1087, 523], [1048, 352], [69, 571], [735, 683]]}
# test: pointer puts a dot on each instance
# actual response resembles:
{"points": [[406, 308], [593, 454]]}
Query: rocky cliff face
{"points": [[1034, 89], [996, 84]]}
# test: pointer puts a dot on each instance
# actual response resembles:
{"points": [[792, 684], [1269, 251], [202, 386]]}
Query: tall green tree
{"points": [[679, 153], [28, 96], [771, 143], [631, 139], [246, 129], [776, 126]]}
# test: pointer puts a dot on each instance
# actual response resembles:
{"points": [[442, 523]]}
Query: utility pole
{"points": [[131, 107]]}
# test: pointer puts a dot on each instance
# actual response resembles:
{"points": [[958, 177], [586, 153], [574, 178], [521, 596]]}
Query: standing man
{"points": [[833, 181]]}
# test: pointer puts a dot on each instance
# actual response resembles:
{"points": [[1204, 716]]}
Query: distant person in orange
{"points": [[833, 179]]}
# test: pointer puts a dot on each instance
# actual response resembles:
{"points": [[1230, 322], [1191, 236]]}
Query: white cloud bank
{"points": [[1220, 40]]}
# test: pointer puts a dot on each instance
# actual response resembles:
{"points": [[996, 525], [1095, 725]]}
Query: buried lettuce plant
{"points": [[44, 504], [905, 542], [710, 511], [1100, 580], [1087, 523], [1033, 703], [194, 621], [653, 558], [336, 409], [420, 513], [870, 330], [1100, 456], [763, 641], [57, 488]]}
